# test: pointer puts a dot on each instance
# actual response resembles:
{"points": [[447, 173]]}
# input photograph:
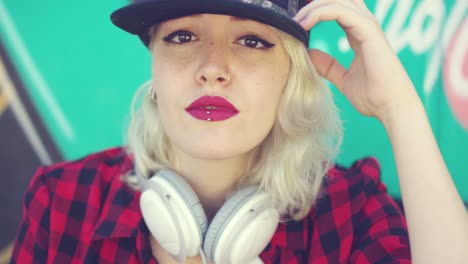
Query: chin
{"points": [[215, 146], [215, 153]]}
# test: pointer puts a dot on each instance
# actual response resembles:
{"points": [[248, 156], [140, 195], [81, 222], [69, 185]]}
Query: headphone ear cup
{"points": [[232, 226], [190, 197], [185, 211], [221, 219], [161, 222]]}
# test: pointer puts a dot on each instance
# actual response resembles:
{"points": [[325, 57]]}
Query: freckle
{"points": [[211, 43]]}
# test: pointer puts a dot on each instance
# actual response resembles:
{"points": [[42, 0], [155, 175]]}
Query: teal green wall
{"points": [[81, 73]]}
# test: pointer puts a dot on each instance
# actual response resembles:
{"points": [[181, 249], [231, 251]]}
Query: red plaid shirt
{"points": [[81, 212]]}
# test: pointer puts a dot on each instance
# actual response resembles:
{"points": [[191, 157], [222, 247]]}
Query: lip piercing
{"points": [[208, 112], [208, 119]]}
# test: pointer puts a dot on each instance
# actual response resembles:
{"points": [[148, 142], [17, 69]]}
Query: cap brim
{"points": [[139, 17]]}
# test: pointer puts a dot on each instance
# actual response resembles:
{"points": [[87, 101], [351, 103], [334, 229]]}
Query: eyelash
{"points": [[170, 39], [266, 44]]}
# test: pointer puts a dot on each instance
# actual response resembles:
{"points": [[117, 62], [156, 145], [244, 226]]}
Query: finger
{"points": [[328, 67], [361, 4], [347, 15], [312, 6], [350, 3]]}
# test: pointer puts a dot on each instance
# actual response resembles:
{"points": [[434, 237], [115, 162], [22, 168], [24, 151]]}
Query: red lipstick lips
{"points": [[211, 108]]}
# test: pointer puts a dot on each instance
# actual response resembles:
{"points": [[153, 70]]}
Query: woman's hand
{"points": [[376, 83]]}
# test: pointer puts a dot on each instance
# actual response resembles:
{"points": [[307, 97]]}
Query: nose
{"points": [[214, 67]]}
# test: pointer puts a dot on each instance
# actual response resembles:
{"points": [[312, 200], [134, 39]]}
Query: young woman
{"points": [[229, 157]]}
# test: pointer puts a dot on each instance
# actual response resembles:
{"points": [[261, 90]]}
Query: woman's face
{"points": [[218, 81]]}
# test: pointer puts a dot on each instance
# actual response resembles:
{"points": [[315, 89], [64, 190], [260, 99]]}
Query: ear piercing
{"points": [[152, 94]]}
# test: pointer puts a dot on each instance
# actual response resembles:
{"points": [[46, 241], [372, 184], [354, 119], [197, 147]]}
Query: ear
{"points": [[152, 93]]}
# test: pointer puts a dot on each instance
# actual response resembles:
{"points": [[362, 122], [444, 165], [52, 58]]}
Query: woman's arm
{"points": [[32, 241], [436, 216], [377, 85]]}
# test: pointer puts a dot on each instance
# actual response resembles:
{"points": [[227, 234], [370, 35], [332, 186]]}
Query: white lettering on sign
{"points": [[425, 31], [457, 61], [443, 37], [455, 74]]}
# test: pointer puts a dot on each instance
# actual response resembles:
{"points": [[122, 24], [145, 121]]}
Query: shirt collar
{"points": [[292, 234], [121, 215]]}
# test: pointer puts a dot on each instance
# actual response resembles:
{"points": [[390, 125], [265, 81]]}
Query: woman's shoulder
{"points": [[353, 218], [90, 183], [358, 188], [96, 167], [363, 176], [355, 215], [356, 200], [69, 205]]}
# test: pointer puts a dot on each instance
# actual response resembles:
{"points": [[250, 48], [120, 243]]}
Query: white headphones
{"points": [[239, 232]]}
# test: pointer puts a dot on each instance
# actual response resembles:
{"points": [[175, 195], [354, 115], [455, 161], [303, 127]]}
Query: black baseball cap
{"points": [[137, 18]]}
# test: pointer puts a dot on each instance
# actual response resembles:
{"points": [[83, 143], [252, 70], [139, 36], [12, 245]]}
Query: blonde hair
{"points": [[294, 157]]}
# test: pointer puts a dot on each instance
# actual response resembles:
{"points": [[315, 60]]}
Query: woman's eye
{"points": [[179, 37], [255, 42]]}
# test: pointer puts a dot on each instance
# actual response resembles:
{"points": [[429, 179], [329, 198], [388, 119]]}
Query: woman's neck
{"points": [[212, 180]]}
